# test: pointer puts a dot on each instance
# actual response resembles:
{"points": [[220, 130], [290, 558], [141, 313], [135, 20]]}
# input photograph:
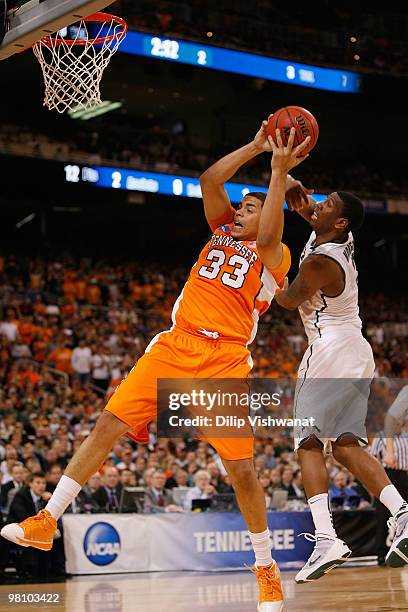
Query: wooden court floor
{"points": [[344, 590]]}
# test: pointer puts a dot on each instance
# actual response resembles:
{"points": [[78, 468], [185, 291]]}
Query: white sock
{"points": [[321, 514], [261, 543], [65, 492], [390, 497]]}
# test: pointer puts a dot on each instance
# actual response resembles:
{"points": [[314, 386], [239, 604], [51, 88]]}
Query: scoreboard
{"points": [[239, 62]]}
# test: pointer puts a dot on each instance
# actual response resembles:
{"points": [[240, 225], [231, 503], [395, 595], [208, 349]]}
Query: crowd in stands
{"points": [[159, 149], [70, 330], [324, 32]]}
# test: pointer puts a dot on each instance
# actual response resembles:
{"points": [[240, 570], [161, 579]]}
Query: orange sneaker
{"points": [[36, 531], [270, 588]]}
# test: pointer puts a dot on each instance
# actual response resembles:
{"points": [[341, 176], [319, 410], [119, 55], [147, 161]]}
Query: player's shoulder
{"points": [[316, 262], [223, 229]]}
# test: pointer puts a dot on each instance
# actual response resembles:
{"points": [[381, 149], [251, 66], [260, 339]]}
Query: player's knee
{"points": [[341, 453], [343, 447], [241, 473], [312, 443], [109, 426]]}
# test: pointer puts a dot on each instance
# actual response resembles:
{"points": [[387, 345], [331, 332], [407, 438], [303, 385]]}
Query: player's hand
{"points": [[173, 508], [364, 504], [390, 459], [296, 194], [261, 141], [287, 157]]}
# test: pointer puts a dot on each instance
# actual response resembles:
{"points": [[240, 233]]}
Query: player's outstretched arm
{"points": [[298, 198], [315, 273], [284, 158], [217, 205]]}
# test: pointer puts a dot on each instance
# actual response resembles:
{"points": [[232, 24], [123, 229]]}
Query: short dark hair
{"points": [[353, 210], [259, 195], [35, 475]]}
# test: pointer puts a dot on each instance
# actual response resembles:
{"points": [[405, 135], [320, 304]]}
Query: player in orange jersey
{"points": [[214, 320]]}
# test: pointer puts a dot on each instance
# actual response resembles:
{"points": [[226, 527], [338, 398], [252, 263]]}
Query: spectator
{"points": [[203, 488], [147, 476], [181, 478], [93, 485], [181, 454], [269, 457], [61, 357], [29, 499], [50, 458], [100, 368], [127, 478], [7, 464], [297, 484], [265, 482], [275, 477], [53, 477], [159, 498], [107, 496], [140, 466], [340, 493], [9, 327], [286, 482], [81, 362], [10, 488], [127, 462]]}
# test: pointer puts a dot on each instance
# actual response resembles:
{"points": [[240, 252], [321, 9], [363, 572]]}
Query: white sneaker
{"points": [[328, 553], [398, 554]]}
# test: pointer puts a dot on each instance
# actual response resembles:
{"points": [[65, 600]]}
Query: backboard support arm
{"points": [[42, 19]]}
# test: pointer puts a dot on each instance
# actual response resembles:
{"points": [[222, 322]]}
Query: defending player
{"points": [[326, 293], [214, 320]]}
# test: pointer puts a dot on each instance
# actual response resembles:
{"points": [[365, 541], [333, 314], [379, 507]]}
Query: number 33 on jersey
{"points": [[228, 288]]}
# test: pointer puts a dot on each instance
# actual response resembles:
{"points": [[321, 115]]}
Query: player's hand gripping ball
{"points": [[299, 118]]}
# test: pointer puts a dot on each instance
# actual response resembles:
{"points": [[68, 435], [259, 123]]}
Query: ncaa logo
{"points": [[102, 544]]}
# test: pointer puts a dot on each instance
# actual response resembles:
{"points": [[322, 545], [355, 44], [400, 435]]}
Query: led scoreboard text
{"points": [[239, 62], [153, 182]]}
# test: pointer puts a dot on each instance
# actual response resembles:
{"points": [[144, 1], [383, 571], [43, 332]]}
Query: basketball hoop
{"points": [[73, 68]]}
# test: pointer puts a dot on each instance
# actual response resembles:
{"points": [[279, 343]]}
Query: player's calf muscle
{"points": [[92, 453]]}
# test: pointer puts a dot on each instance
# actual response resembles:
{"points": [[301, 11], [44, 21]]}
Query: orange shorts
{"points": [[180, 354]]}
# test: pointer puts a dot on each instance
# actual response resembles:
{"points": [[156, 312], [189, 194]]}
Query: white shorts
{"points": [[332, 389]]}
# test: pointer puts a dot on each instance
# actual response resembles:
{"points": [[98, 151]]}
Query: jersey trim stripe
{"points": [[318, 312], [304, 378], [261, 286]]}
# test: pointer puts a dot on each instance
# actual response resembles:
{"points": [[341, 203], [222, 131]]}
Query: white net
{"points": [[73, 68]]}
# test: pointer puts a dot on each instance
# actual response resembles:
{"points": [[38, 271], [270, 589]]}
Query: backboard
{"points": [[30, 20]]}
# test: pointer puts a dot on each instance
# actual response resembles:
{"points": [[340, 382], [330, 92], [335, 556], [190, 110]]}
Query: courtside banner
{"points": [[106, 543], [114, 543], [208, 541]]}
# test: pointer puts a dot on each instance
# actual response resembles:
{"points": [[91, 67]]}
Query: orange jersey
{"points": [[228, 289]]}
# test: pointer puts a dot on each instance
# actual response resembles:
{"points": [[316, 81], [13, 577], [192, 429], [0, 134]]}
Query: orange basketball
{"points": [[301, 119]]}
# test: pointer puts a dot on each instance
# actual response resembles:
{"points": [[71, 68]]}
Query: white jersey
{"points": [[323, 315]]}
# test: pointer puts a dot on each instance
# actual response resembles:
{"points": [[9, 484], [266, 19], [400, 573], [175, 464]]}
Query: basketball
{"points": [[301, 119]]}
